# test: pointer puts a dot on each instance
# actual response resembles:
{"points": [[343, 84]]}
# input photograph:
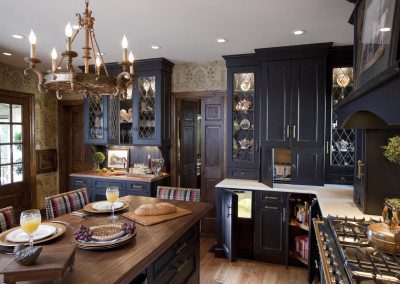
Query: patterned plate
{"points": [[60, 230], [106, 244]]}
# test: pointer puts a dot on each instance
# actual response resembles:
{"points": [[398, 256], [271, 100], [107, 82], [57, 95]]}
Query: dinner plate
{"points": [[103, 245], [42, 232], [59, 230], [245, 85], [106, 206], [245, 124], [89, 208]]}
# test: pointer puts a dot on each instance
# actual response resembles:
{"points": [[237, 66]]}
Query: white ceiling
{"points": [[185, 29]]}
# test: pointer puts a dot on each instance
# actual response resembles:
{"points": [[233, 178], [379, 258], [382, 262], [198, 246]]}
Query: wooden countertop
{"points": [[118, 175], [123, 264]]}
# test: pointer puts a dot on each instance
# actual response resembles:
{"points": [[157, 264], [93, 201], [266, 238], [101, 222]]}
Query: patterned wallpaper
{"points": [[199, 76], [46, 123]]}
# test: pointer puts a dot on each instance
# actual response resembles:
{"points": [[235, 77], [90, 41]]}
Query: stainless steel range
{"points": [[346, 255]]}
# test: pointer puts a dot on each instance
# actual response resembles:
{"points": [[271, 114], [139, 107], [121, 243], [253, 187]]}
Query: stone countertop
{"points": [[333, 199], [119, 176]]}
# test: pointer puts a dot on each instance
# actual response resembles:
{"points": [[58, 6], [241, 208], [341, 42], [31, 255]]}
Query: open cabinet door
{"points": [[312, 242], [267, 166], [229, 223]]}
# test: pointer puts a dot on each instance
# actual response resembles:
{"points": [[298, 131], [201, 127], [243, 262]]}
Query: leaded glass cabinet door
{"points": [[147, 109], [243, 128], [340, 147], [101, 120]]}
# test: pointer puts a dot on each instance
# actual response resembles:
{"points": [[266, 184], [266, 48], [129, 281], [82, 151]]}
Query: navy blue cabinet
{"points": [[243, 119], [151, 102], [101, 120]]}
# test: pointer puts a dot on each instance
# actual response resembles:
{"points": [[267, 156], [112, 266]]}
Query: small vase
{"points": [[96, 167]]}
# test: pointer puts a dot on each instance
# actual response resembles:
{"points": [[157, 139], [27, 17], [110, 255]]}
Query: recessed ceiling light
{"points": [[298, 32], [7, 53], [221, 40], [155, 47], [385, 29], [17, 36], [76, 27]]}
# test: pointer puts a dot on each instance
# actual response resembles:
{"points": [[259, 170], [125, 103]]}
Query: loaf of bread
{"points": [[155, 209]]}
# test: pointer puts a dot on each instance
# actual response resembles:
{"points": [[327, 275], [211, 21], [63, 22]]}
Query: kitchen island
{"points": [[167, 251]]}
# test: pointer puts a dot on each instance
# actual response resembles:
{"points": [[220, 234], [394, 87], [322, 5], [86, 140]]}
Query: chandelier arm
{"points": [[73, 74], [98, 48], [40, 76], [72, 40], [121, 84]]}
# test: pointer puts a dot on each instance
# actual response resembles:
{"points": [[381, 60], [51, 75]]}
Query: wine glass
{"points": [[156, 165], [30, 221], [112, 194]]}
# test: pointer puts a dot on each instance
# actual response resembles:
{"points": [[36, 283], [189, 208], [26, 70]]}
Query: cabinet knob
{"points": [[135, 129], [294, 167]]}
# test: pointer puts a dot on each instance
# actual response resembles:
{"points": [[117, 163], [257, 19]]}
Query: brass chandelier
{"points": [[86, 83]]}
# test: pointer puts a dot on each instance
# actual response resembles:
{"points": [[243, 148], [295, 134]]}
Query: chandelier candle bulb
{"points": [[68, 33], [32, 41], [54, 59], [131, 58], [125, 48], [98, 65]]}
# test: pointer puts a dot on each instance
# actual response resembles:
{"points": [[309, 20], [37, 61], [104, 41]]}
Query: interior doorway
{"points": [[17, 166], [75, 156], [198, 146]]}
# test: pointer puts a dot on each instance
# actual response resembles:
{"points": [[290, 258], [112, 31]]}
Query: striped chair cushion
{"points": [[65, 203], [7, 220], [178, 193]]}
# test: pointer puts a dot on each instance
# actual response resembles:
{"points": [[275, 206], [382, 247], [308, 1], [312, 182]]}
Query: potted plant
{"points": [[392, 150], [98, 158]]}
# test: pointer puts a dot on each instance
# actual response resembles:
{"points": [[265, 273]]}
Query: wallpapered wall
{"points": [[46, 133], [199, 76]]}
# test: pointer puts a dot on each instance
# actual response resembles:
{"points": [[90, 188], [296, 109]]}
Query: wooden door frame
{"points": [[32, 147], [174, 124], [62, 143]]}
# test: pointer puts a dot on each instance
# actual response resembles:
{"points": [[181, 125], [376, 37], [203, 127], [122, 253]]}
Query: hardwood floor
{"points": [[220, 270]]}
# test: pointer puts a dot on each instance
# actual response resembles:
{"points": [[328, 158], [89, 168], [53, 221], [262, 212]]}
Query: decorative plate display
{"points": [[105, 207], [343, 80], [245, 144], [243, 105], [245, 124], [245, 85], [59, 230], [104, 236]]}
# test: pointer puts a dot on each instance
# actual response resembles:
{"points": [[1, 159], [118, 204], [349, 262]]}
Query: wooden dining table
{"points": [[167, 251]]}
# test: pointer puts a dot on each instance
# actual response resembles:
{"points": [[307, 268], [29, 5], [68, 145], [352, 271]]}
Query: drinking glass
{"points": [[156, 165], [30, 221], [112, 194]]}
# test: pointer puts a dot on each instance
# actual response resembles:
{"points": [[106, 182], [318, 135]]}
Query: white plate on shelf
{"points": [[245, 124], [106, 206], [245, 86], [43, 231]]}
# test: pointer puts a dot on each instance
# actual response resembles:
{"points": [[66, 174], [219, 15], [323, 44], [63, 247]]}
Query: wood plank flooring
{"points": [[220, 270]]}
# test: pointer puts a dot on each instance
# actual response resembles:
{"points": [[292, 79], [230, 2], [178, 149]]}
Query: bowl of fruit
{"points": [[105, 236]]}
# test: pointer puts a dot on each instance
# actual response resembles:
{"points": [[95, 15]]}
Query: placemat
{"points": [[152, 220]]}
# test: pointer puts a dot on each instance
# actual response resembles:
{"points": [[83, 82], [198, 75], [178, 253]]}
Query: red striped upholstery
{"points": [[178, 193], [65, 203], [7, 219]]}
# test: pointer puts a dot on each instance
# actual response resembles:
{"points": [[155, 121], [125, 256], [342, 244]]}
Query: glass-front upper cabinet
{"points": [[101, 120], [243, 152], [341, 146]]}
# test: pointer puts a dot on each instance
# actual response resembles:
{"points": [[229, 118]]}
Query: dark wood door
{"points": [[312, 243], [75, 155], [267, 166], [188, 144], [212, 155], [307, 166], [15, 152], [308, 101], [275, 103], [229, 220], [270, 231]]}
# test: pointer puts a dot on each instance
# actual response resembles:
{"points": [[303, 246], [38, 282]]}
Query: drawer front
{"points": [[80, 182], [341, 179], [243, 174], [184, 268], [103, 183], [270, 197], [139, 189], [358, 199]]}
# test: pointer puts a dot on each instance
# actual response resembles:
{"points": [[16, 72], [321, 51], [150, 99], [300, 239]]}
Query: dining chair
{"points": [[65, 203], [178, 193], [7, 218]]}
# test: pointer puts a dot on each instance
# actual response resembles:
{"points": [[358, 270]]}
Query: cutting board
{"points": [[152, 220], [52, 263]]}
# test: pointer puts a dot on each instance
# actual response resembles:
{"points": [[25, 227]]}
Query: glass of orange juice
{"points": [[30, 221], [112, 194]]}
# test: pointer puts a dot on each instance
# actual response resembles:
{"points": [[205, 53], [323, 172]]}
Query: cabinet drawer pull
{"points": [[179, 250], [137, 186], [181, 265], [284, 215], [79, 181], [229, 213], [271, 197], [287, 131], [359, 169], [271, 207], [294, 131], [327, 147]]}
